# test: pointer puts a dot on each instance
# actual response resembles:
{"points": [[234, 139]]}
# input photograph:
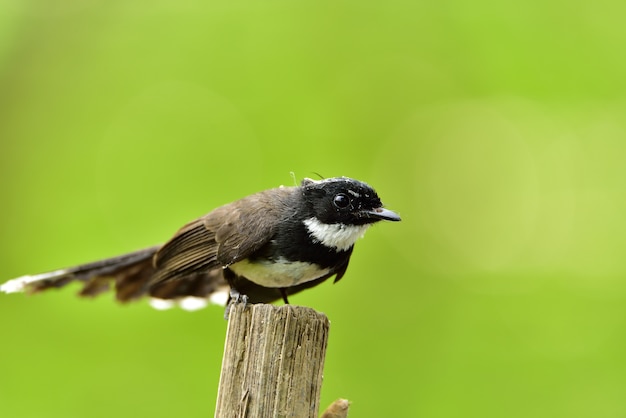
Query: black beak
{"points": [[382, 214]]}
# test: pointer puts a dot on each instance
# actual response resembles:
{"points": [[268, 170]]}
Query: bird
{"points": [[262, 248]]}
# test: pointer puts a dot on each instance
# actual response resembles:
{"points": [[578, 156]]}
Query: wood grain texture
{"points": [[273, 362], [337, 409]]}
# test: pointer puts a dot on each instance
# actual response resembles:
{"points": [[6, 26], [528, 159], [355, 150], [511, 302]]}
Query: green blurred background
{"points": [[497, 130]]}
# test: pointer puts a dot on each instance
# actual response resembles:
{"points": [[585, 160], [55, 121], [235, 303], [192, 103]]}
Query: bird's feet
{"points": [[235, 297]]}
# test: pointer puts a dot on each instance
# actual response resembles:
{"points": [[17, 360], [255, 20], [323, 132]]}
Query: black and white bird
{"points": [[264, 247]]}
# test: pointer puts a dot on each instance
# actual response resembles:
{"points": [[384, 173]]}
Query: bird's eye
{"points": [[341, 201]]}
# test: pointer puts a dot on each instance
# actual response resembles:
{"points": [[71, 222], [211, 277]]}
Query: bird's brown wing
{"points": [[226, 235], [191, 250]]}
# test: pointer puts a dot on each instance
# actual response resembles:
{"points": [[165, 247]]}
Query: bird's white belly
{"points": [[279, 273]]}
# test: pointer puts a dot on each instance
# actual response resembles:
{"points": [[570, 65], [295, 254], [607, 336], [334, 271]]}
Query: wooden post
{"points": [[273, 362]]}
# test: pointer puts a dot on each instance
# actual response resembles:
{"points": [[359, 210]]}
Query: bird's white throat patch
{"points": [[338, 236]]}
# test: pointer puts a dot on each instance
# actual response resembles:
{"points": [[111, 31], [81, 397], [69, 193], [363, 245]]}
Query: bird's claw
{"points": [[235, 297]]}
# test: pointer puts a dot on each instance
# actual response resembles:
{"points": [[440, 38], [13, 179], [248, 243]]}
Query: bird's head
{"points": [[345, 200], [340, 209]]}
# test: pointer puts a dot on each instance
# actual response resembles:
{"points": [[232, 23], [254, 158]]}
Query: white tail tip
{"points": [[188, 303], [191, 303], [19, 284], [15, 285]]}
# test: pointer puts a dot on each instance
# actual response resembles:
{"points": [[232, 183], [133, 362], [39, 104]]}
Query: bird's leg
{"points": [[234, 298], [283, 293]]}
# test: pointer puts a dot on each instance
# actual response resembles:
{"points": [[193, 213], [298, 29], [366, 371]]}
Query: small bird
{"points": [[263, 247]]}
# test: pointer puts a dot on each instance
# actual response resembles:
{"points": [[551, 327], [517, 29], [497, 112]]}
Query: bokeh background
{"points": [[497, 130]]}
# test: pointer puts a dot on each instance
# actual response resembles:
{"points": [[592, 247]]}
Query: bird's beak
{"points": [[382, 214]]}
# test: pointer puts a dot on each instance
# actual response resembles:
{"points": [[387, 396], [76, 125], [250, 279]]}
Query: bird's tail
{"points": [[130, 273], [132, 276]]}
